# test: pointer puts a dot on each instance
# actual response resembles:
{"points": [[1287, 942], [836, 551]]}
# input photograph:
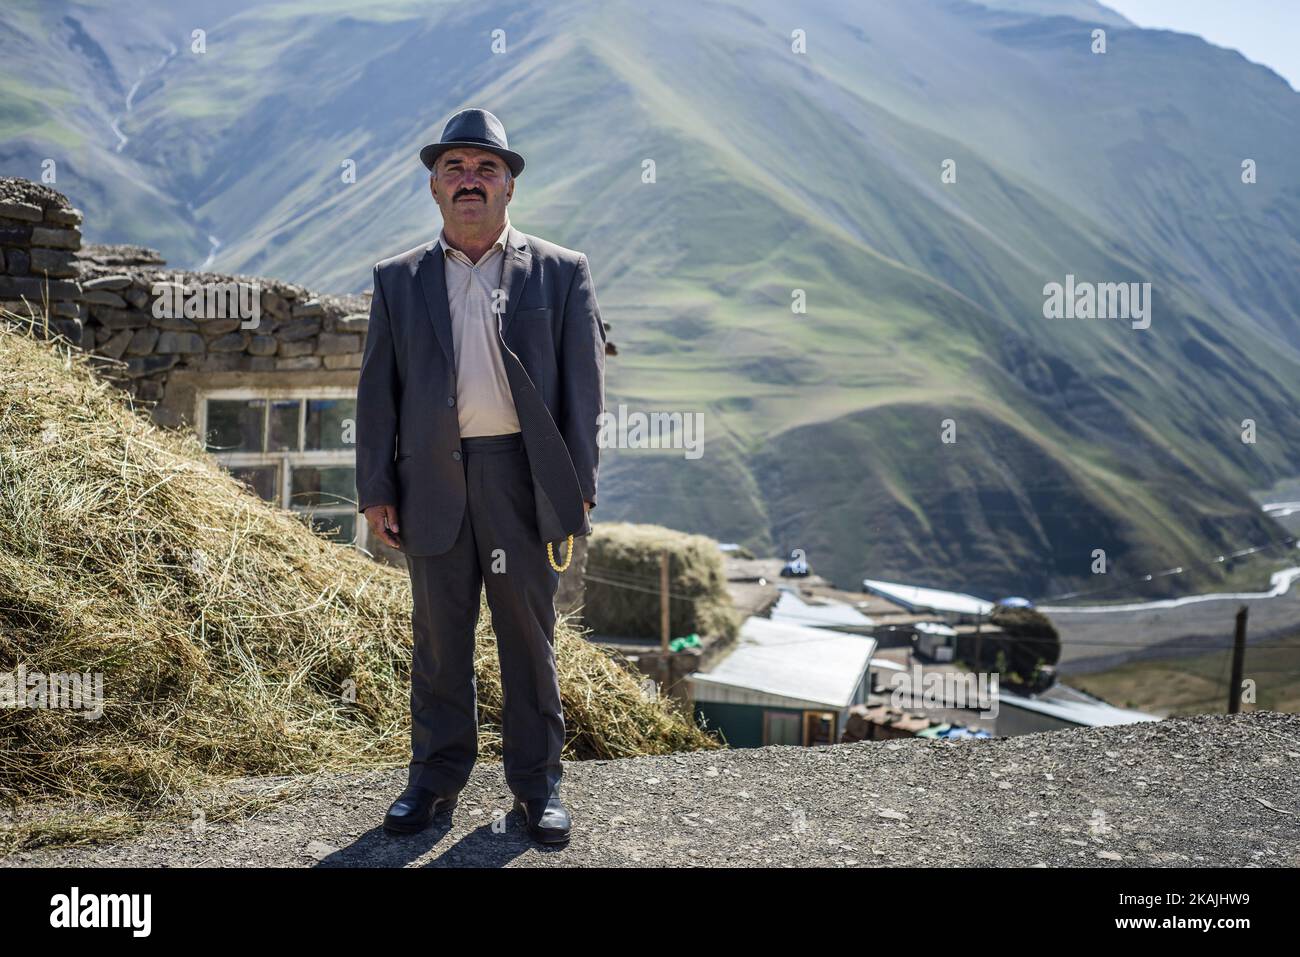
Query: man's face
{"points": [[470, 187]]}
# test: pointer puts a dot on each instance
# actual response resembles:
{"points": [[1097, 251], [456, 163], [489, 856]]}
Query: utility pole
{"points": [[1238, 659], [663, 600]]}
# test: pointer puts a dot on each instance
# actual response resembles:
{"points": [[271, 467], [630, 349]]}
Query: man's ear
{"points": [[433, 187]]}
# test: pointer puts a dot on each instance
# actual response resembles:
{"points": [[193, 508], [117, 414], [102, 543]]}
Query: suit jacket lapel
{"points": [[514, 273], [433, 281]]}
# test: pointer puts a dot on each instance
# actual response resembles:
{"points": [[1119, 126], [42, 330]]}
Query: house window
{"points": [[295, 449]]}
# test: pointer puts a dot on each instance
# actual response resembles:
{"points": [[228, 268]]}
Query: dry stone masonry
{"points": [[104, 298], [295, 330], [39, 238]]}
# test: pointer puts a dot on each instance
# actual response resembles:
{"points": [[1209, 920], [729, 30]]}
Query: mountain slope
{"points": [[777, 172]]}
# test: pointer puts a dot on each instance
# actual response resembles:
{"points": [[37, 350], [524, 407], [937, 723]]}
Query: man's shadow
{"points": [[494, 844]]}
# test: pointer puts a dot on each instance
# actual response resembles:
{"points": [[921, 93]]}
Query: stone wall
{"points": [[103, 299], [299, 338], [39, 236]]}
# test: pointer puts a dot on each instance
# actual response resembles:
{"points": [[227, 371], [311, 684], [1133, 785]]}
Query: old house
{"points": [[784, 684]]}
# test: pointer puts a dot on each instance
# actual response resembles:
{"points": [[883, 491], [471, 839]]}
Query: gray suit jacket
{"points": [[408, 431]]}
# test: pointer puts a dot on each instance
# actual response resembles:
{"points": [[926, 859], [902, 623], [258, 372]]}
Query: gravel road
{"points": [[1209, 790]]}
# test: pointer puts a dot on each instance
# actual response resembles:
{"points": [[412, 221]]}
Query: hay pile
{"points": [[622, 583], [232, 640]]}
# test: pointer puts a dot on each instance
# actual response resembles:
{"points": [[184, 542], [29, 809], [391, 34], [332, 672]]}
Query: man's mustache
{"points": [[471, 192]]}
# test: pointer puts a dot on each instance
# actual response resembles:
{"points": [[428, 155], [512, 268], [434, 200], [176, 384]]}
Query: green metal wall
{"points": [[740, 724]]}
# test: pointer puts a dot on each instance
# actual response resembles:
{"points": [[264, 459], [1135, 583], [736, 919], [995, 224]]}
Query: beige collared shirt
{"points": [[483, 399]]}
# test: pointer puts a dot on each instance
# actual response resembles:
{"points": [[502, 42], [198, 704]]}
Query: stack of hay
{"points": [[231, 639], [623, 583]]}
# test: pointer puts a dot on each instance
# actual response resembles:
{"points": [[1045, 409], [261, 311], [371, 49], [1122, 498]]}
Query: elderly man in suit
{"points": [[477, 406]]}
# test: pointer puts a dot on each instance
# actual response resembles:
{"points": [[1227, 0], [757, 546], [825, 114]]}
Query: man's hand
{"points": [[382, 520], [589, 506]]}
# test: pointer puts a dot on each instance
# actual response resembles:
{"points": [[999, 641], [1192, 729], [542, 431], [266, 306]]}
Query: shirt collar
{"points": [[499, 243]]}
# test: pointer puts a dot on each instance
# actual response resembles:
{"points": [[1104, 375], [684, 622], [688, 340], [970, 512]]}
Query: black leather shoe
{"points": [[415, 809], [547, 818]]}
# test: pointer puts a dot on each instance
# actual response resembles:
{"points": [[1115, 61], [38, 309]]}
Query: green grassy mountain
{"points": [[775, 171]]}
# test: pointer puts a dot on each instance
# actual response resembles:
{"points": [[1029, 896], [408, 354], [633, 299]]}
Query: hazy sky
{"points": [[1265, 31]]}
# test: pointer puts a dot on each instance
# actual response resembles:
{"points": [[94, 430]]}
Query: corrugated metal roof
{"points": [[789, 665], [1075, 706], [792, 609], [915, 598]]}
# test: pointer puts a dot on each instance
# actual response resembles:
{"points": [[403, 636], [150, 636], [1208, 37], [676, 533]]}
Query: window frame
{"points": [[286, 461]]}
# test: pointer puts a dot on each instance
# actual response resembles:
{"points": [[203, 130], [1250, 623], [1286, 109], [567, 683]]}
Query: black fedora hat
{"points": [[477, 128]]}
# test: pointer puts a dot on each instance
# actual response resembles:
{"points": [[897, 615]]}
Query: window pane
{"points": [[346, 522], [283, 435], [332, 485], [326, 421], [235, 425], [262, 479]]}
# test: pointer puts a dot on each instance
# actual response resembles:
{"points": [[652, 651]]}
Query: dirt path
{"points": [[1210, 790]]}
